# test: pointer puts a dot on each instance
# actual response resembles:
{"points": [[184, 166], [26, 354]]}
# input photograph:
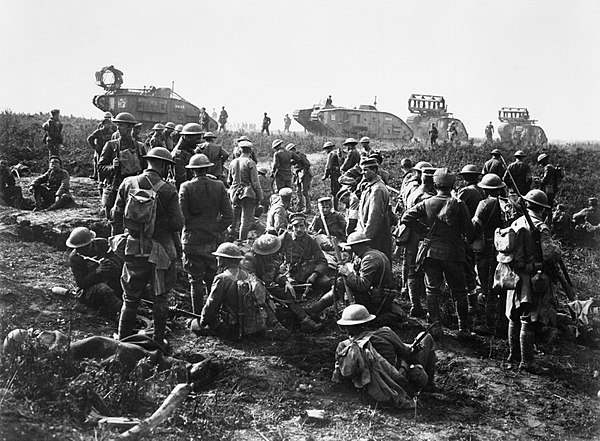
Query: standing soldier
{"points": [[120, 158], [433, 135], [302, 177], [215, 154], [168, 135], [494, 164], [157, 138], [281, 169], [452, 132], [352, 156], [245, 190], [53, 133], [528, 305], [287, 122], [443, 221], [267, 189], [207, 213], [365, 143], [266, 122], [223, 116], [203, 119], [191, 134], [549, 179], [108, 118], [373, 211], [332, 171], [96, 140], [177, 133], [521, 173], [149, 248], [489, 132]]}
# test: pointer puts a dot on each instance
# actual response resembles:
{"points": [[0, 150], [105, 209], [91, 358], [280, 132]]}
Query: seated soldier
{"points": [[264, 262], [377, 360], [97, 271], [336, 225], [10, 193], [52, 189], [235, 307], [277, 217], [303, 258], [590, 214], [364, 280]]}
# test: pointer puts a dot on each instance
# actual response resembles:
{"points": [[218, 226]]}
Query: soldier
{"points": [[266, 122], [278, 217], [489, 133], [97, 271], [365, 143], [168, 135], [136, 133], [590, 214], [191, 134], [52, 190], [177, 133], [148, 259], [287, 122], [281, 168], [266, 187], [215, 154], [433, 135], [528, 305], [494, 164], [10, 194], [53, 133], [332, 171], [384, 174], [108, 118], [303, 258], [223, 116], [120, 158], [97, 140], [157, 138], [336, 225], [374, 209], [302, 178], [350, 196], [486, 219], [203, 119], [549, 179], [328, 101], [443, 221], [245, 190], [521, 173], [561, 222], [352, 156], [452, 132], [412, 180], [207, 213]]}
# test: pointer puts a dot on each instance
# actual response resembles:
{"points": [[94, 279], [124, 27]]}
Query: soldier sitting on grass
{"points": [[52, 189], [336, 224]]}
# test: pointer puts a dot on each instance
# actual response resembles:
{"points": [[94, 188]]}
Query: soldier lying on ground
{"points": [[52, 189], [377, 360]]}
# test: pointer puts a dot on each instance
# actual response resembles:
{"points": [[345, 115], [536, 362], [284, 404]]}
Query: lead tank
{"points": [[428, 109], [330, 120], [516, 127], [149, 105]]}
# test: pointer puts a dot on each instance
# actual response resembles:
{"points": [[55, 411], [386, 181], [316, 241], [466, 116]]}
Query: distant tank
{"points": [[517, 128], [329, 120], [427, 109], [149, 105]]}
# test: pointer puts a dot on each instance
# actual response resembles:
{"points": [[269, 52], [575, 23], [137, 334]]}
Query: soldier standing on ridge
{"points": [[203, 119], [332, 171], [281, 168], [287, 121], [433, 135], [223, 116], [266, 122], [53, 133], [549, 179], [489, 132]]}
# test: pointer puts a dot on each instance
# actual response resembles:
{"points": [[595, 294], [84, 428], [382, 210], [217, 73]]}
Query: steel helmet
{"points": [[228, 250], [158, 126], [377, 155], [328, 144], [520, 154], [495, 152], [406, 163], [191, 129], [365, 140], [263, 170], [160, 153], [199, 161], [421, 165], [443, 178], [125, 117], [469, 169], [242, 138], [107, 115], [290, 146], [245, 145], [266, 244], [491, 181], [350, 141], [355, 238], [541, 157], [285, 192], [276, 143], [537, 197], [80, 237], [179, 128], [209, 135], [355, 315], [170, 125]]}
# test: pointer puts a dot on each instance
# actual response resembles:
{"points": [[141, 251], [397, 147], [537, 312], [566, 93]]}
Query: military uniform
{"points": [[215, 154], [303, 257], [335, 223], [282, 168], [352, 159], [303, 177], [521, 173], [245, 191], [266, 122], [267, 190], [182, 153], [495, 166], [373, 215], [53, 137], [97, 139], [207, 212], [471, 195], [277, 217], [372, 273], [549, 181], [10, 193], [332, 171], [51, 185]]}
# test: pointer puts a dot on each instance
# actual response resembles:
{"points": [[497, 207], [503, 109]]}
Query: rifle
{"points": [[421, 336], [563, 278], [176, 311]]}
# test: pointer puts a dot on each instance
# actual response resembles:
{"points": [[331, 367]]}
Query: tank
{"points": [[517, 128], [428, 109], [149, 105], [343, 122]]}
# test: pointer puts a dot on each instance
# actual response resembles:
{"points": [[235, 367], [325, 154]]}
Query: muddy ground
{"points": [[261, 390]]}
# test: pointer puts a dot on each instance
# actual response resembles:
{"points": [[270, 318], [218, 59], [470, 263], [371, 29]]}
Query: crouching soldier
{"points": [[396, 370], [52, 189], [97, 271], [336, 224]]}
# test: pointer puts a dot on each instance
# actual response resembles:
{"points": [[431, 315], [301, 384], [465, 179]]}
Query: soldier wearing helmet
{"points": [[281, 168], [365, 143], [412, 179], [413, 368], [53, 133], [190, 137], [176, 134], [157, 137], [215, 154], [120, 158], [352, 155], [150, 253], [529, 303], [97, 140], [332, 171], [207, 212], [443, 220], [549, 179], [266, 187], [494, 164], [521, 174], [97, 271], [168, 135]]}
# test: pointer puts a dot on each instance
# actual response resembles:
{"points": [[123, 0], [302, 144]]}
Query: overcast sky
{"points": [[276, 56]]}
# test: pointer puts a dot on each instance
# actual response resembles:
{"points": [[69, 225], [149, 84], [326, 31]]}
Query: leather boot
{"points": [[197, 291], [127, 320], [464, 319], [514, 343], [528, 363], [160, 314], [414, 292], [315, 310]]}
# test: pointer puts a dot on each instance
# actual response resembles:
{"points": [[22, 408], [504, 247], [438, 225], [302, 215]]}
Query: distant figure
{"points": [[203, 119], [53, 136], [489, 132], [328, 101], [215, 153], [433, 135], [223, 116], [266, 122], [214, 114], [287, 121], [452, 132], [52, 189]]}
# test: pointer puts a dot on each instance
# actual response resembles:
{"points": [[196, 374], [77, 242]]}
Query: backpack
{"points": [[504, 241], [140, 207], [252, 296]]}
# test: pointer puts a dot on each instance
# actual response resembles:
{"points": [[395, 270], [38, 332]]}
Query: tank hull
{"points": [[420, 124], [523, 134], [345, 122]]}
